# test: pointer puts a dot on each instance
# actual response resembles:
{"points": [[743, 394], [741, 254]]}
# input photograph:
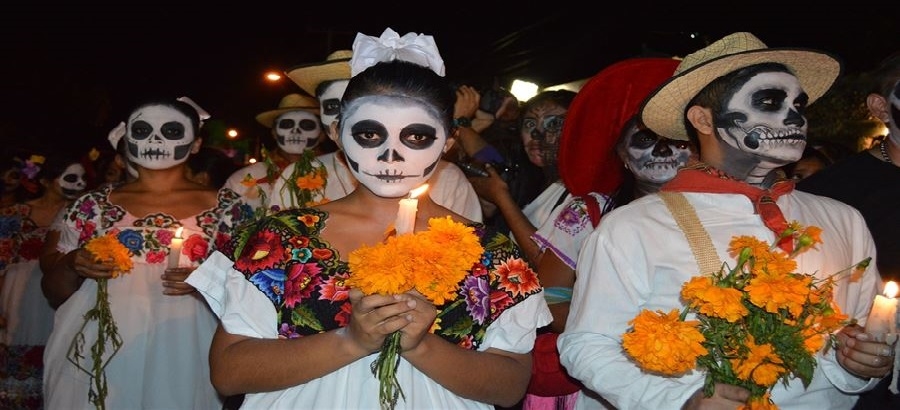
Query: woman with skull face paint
{"points": [[530, 198], [394, 126], [165, 326], [743, 103], [26, 318]]}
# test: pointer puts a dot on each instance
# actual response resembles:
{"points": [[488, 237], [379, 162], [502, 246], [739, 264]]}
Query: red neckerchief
{"points": [[703, 178]]}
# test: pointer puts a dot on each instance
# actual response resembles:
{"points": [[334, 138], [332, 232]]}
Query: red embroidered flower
{"points": [[517, 277]]}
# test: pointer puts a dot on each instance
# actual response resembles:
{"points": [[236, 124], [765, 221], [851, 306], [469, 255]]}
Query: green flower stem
{"points": [[107, 334], [385, 369]]}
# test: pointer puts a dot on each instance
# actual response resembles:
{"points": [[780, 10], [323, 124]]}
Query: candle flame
{"points": [[891, 289], [178, 231], [418, 191]]}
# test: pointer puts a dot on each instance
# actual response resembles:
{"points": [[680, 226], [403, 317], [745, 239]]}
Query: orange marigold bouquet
{"points": [[104, 249], [756, 324], [432, 262]]}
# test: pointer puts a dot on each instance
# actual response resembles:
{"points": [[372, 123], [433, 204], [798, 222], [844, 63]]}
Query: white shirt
{"points": [[638, 259]]}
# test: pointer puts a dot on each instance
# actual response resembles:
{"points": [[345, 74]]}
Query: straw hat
{"points": [[290, 102], [335, 67], [663, 112], [588, 161]]}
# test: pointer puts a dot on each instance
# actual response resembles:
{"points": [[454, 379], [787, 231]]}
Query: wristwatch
{"points": [[462, 122]]}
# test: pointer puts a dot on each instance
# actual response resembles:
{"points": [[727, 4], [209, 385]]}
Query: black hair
{"points": [[402, 79]]}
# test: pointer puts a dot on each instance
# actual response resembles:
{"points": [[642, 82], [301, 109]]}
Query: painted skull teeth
{"points": [[757, 135]]}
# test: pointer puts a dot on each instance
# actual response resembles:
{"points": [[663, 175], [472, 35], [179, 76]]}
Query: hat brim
{"points": [[267, 118], [309, 76], [663, 112]]}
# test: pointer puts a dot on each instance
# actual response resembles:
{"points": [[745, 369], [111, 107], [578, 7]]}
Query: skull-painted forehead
{"points": [[392, 144], [297, 131], [763, 116], [159, 137]]}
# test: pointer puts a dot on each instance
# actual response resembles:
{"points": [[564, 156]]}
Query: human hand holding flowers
{"points": [[374, 317]]}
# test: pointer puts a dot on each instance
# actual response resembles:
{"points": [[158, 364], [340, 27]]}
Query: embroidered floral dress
{"points": [[163, 362], [28, 316], [286, 282], [275, 182]]}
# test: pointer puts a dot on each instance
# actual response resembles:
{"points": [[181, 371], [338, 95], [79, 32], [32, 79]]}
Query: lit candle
{"points": [[406, 215], [883, 317], [175, 248]]}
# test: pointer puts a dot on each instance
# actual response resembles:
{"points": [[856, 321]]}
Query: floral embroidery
{"points": [[149, 237], [285, 258], [21, 239]]}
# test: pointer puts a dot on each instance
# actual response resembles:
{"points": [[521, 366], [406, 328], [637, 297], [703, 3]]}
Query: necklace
{"points": [[884, 154]]}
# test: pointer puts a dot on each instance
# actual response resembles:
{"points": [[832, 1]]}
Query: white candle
{"points": [[883, 316], [406, 215], [175, 248]]}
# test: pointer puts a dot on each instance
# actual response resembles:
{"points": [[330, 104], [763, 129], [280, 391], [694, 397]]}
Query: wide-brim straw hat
{"points": [[664, 110], [290, 102], [335, 67], [587, 158]]}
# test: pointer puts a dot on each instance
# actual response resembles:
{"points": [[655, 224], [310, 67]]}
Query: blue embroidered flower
{"points": [[270, 282], [133, 240]]}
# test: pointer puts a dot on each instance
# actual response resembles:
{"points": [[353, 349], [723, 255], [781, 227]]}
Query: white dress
{"points": [[501, 320], [638, 258], [163, 361]]}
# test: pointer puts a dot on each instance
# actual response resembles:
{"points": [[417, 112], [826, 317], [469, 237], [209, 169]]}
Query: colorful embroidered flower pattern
{"points": [[758, 324], [284, 257], [266, 249]]}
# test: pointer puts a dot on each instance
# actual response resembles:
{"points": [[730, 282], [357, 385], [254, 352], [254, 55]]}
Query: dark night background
{"points": [[70, 72]]}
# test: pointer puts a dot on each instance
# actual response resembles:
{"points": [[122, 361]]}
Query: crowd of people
{"points": [[160, 273]]}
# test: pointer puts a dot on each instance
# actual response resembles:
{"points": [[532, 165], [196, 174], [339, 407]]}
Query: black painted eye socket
{"points": [[173, 130], [71, 178], [306, 125], [141, 130], [331, 106]]}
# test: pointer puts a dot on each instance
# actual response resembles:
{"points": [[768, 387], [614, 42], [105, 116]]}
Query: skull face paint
{"points": [[71, 182], [764, 118], [540, 132], [296, 131], [158, 137], [330, 103], [391, 144], [652, 158]]}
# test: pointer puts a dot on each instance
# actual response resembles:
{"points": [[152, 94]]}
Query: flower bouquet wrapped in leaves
{"points": [[757, 324], [432, 262], [104, 249]]}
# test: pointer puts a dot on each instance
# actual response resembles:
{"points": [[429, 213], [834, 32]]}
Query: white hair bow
{"points": [[200, 111], [415, 48], [116, 134]]}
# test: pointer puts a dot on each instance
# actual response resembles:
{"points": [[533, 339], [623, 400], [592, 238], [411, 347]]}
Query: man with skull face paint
{"points": [[26, 318], [743, 103], [165, 327], [327, 80], [296, 130], [394, 126]]}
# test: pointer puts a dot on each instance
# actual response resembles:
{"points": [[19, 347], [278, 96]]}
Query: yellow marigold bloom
{"points": [[661, 342], [761, 364], [738, 243], [248, 181], [714, 301], [772, 292], [312, 181], [108, 248]]}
